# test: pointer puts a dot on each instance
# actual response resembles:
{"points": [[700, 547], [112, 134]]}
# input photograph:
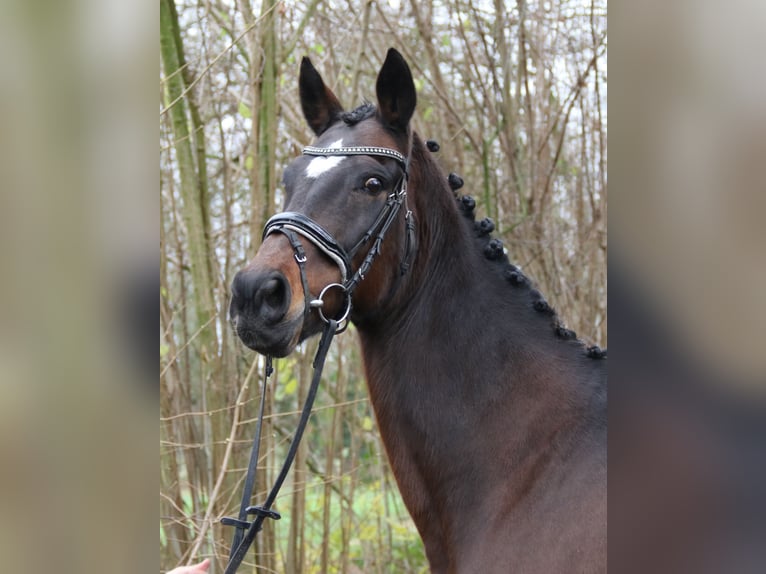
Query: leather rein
{"points": [[293, 225]]}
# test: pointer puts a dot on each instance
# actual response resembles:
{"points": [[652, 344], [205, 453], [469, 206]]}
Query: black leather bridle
{"points": [[292, 225]]}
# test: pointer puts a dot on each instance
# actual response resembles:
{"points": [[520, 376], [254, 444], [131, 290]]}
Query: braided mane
{"points": [[493, 250], [361, 113]]}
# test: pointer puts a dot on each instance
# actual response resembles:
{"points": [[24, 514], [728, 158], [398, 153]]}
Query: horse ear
{"points": [[320, 106], [396, 91]]}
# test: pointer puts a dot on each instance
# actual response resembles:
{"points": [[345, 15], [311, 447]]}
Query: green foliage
{"points": [[244, 111], [291, 386], [371, 523]]}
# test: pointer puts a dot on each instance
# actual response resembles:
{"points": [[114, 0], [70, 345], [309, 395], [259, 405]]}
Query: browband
{"points": [[358, 150]]}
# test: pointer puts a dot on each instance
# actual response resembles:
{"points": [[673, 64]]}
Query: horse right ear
{"points": [[396, 91], [320, 106]]}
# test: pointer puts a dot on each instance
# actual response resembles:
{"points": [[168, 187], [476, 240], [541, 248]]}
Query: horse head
{"points": [[341, 197]]}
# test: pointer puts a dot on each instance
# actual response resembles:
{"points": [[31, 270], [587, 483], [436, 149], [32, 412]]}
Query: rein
{"points": [[292, 225]]}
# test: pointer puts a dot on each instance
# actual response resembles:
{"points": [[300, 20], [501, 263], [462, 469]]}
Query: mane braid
{"points": [[361, 113], [494, 251]]}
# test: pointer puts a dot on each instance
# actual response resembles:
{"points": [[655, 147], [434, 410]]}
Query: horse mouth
{"points": [[275, 340]]}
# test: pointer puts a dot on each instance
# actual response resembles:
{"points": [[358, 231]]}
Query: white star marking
{"points": [[321, 165]]}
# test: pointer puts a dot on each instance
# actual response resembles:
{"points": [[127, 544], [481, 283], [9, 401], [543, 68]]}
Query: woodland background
{"points": [[514, 92]]}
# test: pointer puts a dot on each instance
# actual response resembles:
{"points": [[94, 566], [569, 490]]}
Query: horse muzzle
{"points": [[263, 313]]}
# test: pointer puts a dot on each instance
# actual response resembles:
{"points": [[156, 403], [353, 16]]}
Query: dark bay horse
{"points": [[493, 414]]}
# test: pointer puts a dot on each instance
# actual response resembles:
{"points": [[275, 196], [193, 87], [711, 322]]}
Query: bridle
{"points": [[292, 225]]}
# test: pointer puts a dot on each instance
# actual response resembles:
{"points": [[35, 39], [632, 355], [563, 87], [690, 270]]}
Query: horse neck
{"points": [[464, 369], [459, 332], [455, 311]]}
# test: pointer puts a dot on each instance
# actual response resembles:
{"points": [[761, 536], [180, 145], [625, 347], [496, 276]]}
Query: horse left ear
{"points": [[320, 106], [396, 91]]}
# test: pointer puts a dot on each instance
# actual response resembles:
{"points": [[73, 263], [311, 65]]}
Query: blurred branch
{"points": [[224, 464], [214, 61]]}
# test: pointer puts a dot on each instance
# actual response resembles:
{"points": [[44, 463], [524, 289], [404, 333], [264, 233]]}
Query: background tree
{"points": [[516, 96]]}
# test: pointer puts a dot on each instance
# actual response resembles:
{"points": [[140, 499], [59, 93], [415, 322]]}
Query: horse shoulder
{"points": [[558, 525]]}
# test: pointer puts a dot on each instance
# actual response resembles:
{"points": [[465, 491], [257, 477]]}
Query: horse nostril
{"points": [[272, 298], [274, 292], [260, 295]]}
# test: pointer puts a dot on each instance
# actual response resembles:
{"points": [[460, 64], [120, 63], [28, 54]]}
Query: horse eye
{"points": [[373, 185]]}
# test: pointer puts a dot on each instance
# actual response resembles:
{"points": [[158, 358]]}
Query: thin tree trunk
{"points": [[295, 544], [191, 189]]}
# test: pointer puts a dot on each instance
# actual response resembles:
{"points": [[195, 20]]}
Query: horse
{"points": [[492, 413]]}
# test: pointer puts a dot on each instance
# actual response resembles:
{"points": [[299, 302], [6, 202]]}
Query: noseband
{"points": [[291, 224]]}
